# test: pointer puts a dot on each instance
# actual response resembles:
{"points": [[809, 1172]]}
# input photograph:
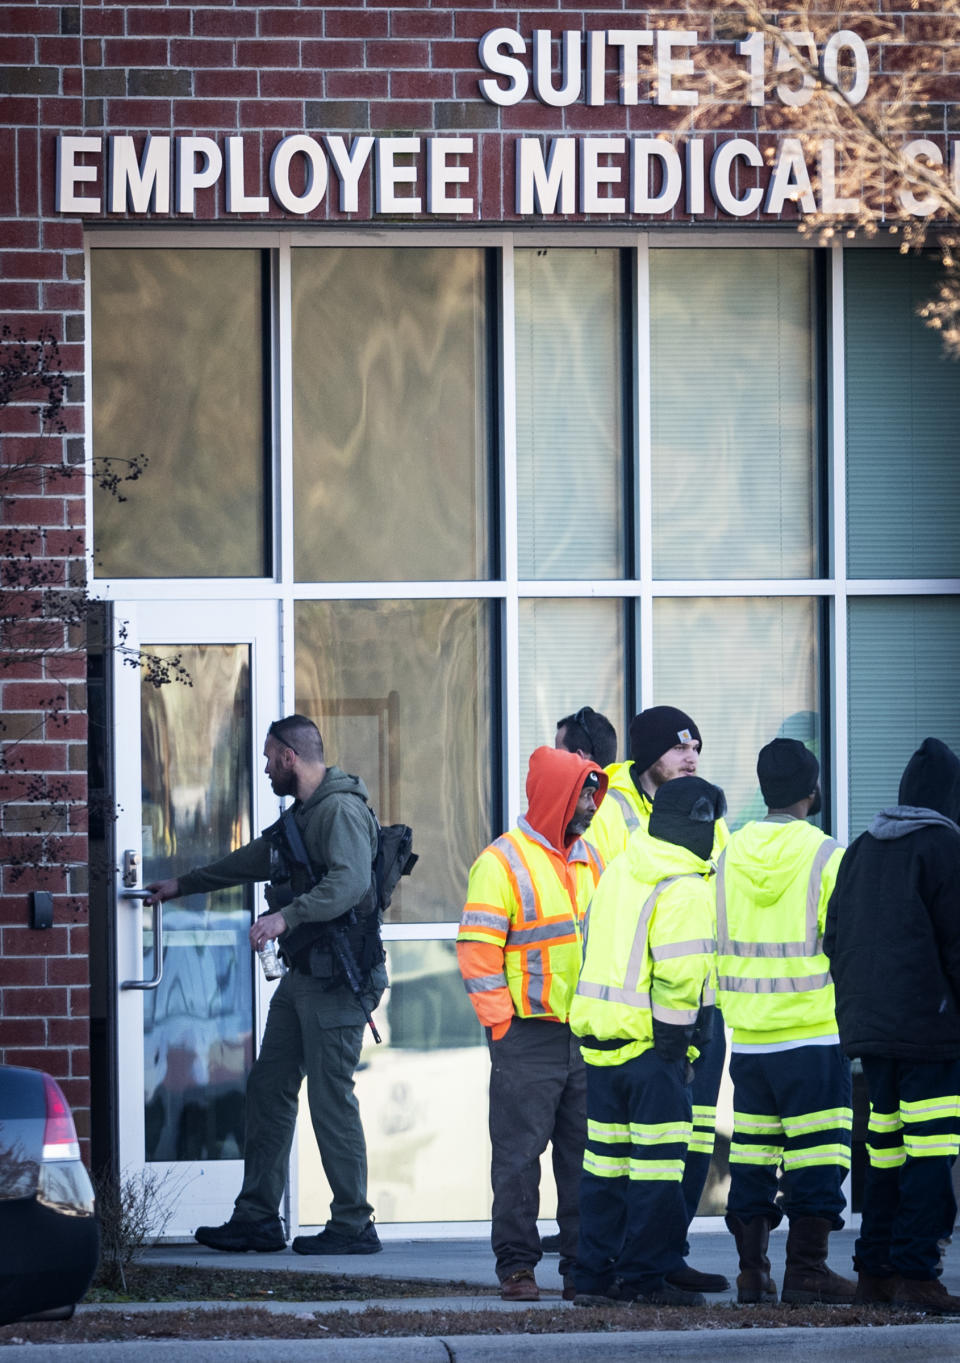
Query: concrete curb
{"points": [[934, 1342]]}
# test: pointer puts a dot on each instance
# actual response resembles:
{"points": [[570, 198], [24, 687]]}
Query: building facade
{"points": [[421, 382]]}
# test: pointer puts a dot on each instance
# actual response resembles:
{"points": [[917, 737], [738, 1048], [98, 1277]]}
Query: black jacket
{"points": [[893, 923]]}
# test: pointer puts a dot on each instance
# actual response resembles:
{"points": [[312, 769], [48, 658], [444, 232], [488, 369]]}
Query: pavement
{"points": [[469, 1261]]}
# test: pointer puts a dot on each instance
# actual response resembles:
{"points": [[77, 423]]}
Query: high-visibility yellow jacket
{"points": [[774, 881], [626, 809], [519, 945], [649, 949]]}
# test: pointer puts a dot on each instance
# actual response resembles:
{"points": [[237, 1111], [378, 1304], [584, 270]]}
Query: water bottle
{"points": [[273, 967]]}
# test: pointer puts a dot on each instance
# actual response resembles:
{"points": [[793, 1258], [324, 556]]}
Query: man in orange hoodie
{"points": [[520, 948]]}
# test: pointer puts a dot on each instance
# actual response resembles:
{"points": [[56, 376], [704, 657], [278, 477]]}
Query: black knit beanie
{"points": [[787, 772], [684, 812], [655, 731]]}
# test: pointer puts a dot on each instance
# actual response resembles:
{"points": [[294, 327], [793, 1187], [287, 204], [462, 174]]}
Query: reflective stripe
{"points": [[814, 1156], [755, 1154], [752, 1121], [660, 1133], [485, 918], [535, 967], [646, 1171], [678, 1017], [703, 1115], [545, 932], [884, 1157], [781, 984], [918, 1147], [609, 993], [819, 1121], [930, 1109], [812, 944], [608, 1133], [482, 984], [703, 946], [702, 1143], [626, 808], [605, 1166], [884, 1121], [528, 895]]}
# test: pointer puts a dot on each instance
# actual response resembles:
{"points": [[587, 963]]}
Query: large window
{"points": [[391, 466], [401, 691], [903, 415], [735, 461], [179, 390], [569, 414]]}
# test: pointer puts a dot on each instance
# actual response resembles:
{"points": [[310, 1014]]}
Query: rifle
{"points": [[285, 829]]}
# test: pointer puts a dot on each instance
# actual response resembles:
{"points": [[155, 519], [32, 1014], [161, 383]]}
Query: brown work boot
{"points": [[920, 1295], [520, 1286], [754, 1283], [872, 1290], [806, 1277]]}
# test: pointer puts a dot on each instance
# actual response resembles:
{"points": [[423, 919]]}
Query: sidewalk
{"points": [[470, 1261]]}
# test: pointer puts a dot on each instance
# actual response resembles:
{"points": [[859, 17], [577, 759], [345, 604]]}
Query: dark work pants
{"points": [[912, 1139], [537, 1096], [632, 1213], [791, 1110], [299, 1041], [707, 1074]]}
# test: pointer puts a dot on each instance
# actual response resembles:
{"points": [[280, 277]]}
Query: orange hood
{"points": [[554, 782]]}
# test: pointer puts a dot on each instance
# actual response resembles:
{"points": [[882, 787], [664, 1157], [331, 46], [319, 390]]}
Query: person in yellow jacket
{"points": [[665, 743], [519, 948], [648, 958], [791, 1080]]}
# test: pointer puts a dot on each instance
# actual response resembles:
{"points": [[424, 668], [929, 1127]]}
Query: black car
{"points": [[49, 1238]]}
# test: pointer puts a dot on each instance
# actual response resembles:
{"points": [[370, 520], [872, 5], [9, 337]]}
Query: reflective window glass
{"points": [[401, 691], [903, 412], [746, 671], [178, 381], [733, 414], [571, 654], [423, 1099], [569, 414], [389, 415], [904, 661], [198, 1023]]}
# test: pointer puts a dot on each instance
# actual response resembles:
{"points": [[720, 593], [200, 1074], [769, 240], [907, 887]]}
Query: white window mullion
{"points": [[509, 512], [838, 549], [643, 497]]}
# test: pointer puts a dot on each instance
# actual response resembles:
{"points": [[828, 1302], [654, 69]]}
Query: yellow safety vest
{"points": [[649, 950], [517, 901], [774, 881]]}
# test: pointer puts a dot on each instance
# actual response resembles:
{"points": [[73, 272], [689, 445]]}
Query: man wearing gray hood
{"points": [[893, 939]]}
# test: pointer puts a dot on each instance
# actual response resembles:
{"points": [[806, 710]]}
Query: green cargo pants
{"points": [[315, 1033]]}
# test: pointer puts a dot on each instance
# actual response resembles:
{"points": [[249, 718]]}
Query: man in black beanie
{"points": [[665, 743], [893, 939], [791, 1080]]}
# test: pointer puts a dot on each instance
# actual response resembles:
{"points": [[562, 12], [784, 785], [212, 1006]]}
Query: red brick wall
{"points": [[220, 68]]}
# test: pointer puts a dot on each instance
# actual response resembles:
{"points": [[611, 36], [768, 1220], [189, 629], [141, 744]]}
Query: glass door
{"points": [[191, 712]]}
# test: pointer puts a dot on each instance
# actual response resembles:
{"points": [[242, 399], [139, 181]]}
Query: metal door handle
{"points": [[157, 942]]}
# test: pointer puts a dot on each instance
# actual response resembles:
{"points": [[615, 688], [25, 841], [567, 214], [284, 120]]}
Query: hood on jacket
{"points": [[335, 782], [902, 820], [931, 780], [772, 854], [555, 779]]}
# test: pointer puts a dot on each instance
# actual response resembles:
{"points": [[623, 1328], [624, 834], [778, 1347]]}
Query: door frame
{"points": [[200, 1192]]}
